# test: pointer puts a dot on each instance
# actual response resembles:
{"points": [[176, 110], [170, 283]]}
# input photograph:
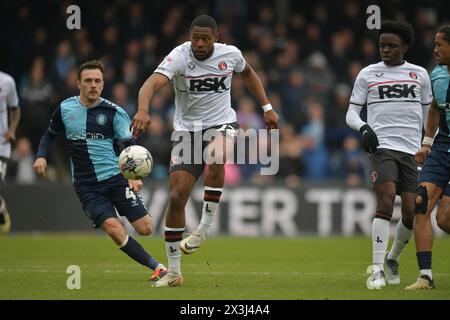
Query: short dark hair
{"points": [[92, 64], [205, 22], [446, 31], [403, 29]]}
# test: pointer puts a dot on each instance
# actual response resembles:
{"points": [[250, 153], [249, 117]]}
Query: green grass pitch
{"points": [[225, 268]]}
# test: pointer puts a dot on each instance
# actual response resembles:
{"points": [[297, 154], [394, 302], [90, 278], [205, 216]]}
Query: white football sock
{"points": [[174, 256], [173, 252], [426, 272], [209, 209], [208, 213], [402, 237], [380, 239]]}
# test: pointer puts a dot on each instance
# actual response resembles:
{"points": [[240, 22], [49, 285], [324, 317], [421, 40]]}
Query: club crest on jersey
{"points": [[101, 119], [373, 176], [222, 65], [413, 75]]}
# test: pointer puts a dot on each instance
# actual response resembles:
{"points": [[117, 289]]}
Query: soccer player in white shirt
{"points": [[9, 110], [200, 71], [397, 95]]}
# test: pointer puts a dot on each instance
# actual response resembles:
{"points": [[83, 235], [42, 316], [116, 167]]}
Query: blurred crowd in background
{"points": [[307, 53]]}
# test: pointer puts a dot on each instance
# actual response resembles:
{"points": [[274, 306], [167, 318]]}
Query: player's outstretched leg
{"points": [[144, 227], [136, 252], [191, 243], [391, 267], [158, 273], [214, 181], [402, 236], [127, 244], [195, 239]]}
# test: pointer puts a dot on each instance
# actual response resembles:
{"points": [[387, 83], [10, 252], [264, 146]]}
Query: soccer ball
{"points": [[135, 162]]}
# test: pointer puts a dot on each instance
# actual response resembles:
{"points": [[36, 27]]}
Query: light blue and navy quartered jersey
{"points": [[440, 81], [92, 135]]}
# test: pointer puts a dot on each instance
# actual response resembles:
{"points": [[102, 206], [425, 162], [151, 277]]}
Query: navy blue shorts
{"points": [[101, 199], [436, 170]]}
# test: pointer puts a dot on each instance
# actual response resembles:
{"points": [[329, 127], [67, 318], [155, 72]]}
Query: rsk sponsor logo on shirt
{"points": [[397, 91], [207, 84]]}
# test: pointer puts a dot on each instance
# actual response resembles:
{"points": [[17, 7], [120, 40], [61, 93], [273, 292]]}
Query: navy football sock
{"points": [[424, 260], [136, 252]]}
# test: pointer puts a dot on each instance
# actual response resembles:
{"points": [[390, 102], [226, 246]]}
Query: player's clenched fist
{"points": [[140, 123], [271, 119], [422, 154], [40, 166], [369, 139], [135, 185]]}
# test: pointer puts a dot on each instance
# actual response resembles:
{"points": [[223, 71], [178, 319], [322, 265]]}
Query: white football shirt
{"points": [[397, 100], [8, 98], [202, 87]]}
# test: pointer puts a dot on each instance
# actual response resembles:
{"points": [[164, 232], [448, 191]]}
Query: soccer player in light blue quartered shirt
{"points": [[95, 129], [93, 135], [435, 154]]}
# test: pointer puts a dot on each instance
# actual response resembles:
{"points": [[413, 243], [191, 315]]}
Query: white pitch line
{"points": [[193, 272], [313, 274]]}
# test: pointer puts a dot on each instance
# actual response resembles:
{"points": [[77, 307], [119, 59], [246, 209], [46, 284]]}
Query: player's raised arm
{"points": [[255, 86], [141, 120]]}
